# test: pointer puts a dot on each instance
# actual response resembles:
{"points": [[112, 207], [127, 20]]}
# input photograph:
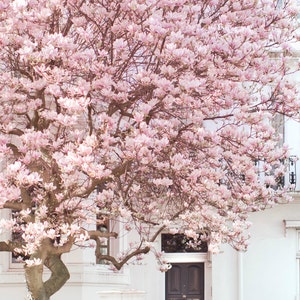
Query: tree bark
{"points": [[35, 284], [34, 277], [59, 274]]}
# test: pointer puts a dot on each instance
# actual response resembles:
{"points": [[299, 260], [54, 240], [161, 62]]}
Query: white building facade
{"points": [[270, 269]]}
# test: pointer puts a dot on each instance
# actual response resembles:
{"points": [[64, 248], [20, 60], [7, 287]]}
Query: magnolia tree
{"points": [[150, 112]]}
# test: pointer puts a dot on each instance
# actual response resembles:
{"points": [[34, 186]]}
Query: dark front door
{"points": [[185, 281]]}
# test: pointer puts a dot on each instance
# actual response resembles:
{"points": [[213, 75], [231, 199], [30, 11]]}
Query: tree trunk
{"points": [[34, 277], [59, 274], [35, 284]]}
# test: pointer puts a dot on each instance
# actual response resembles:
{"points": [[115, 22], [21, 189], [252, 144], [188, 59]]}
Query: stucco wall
{"points": [[268, 270]]}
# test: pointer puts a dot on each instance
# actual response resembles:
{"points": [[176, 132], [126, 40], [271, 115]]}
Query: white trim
{"points": [[295, 225], [292, 224], [240, 275], [122, 295], [186, 257], [295, 196], [297, 263], [297, 278]]}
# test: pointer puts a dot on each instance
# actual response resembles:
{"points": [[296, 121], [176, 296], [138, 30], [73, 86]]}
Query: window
{"points": [[8, 260], [103, 225], [180, 243], [16, 236]]}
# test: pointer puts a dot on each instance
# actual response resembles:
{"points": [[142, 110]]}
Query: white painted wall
{"points": [[149, 279], [224, 274], [270, 264], [267, 271]]}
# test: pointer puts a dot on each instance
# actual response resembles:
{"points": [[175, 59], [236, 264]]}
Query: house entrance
{"points": [[185, 281]]}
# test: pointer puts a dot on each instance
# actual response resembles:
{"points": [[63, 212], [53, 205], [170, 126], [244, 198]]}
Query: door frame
{"points": [[194, 258]]}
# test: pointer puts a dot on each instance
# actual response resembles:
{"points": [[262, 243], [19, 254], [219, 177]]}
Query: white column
{"points": [[240, 273]]}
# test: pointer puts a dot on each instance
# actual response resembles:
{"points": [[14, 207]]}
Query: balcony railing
{"points": [[288, 179]]}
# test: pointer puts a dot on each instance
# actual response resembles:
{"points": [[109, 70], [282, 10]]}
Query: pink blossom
{"points": [[156, 114], [33, 262]]}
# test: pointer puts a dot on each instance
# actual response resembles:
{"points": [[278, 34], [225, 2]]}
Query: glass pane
{"points": [[181, 243]]}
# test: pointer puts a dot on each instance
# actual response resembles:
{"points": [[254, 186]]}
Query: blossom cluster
{"points": [[163, 108]]}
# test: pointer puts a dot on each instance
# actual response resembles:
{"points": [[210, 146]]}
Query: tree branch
{"points": [[120, 264], [7, 246], [15, 205], [96, 233]]}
